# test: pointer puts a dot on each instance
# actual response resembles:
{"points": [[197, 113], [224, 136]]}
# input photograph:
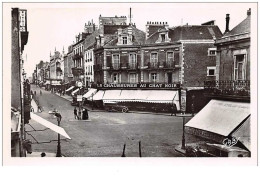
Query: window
{"points": [[212, 52], [154, 57], [169, 56], [163, 37], [239, 67], [115, 78], [124, 40], [211, 71], [115, 61], [132, 78], [154, 77], [132, 60]]}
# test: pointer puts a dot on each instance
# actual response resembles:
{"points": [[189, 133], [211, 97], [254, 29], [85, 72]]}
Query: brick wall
{"points": [[196, 61]]}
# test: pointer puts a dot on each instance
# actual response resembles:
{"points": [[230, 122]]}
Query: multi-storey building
{"points": [[181, 57], [20, 92], [118, 56], [224, 123], [56, 70], [183, 54], [89, 58], [233, 63], [68, 65]]}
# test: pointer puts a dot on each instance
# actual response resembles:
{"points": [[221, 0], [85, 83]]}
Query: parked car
{"points": [[115, 106]]}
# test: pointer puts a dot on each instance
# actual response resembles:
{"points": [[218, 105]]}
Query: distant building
{"points": [[56, 70], [89, 57]]}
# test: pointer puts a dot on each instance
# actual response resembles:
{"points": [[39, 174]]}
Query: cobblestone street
{"points": [[105, 134]]}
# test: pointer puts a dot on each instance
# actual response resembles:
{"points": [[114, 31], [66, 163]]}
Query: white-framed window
{"points": [[132, 77], [212, 51], [124, 40], [239, 68], [154, 77], [211, 71]]}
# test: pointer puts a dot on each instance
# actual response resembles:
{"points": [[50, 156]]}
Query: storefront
{"points": [[224, 129], [141, 97]]}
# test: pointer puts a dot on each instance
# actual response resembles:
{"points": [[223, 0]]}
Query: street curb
{"points": [[180, 150], [88, 120]]}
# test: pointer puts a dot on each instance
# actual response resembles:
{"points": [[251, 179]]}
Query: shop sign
{"points": [[79, 98], [23, 20], [139, 85]]}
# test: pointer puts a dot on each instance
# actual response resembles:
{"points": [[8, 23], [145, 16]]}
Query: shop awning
{"points": [[70, 88], [243, 134], [99, 95], [150, 96], [75, 91], [112, 95], [162, 96], [220, 117], [49, 125], [89, 94]]}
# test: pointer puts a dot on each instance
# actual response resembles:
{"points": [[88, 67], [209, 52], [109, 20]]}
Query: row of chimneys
{"points": [[228, 18], [157, 23], [115, 16]]}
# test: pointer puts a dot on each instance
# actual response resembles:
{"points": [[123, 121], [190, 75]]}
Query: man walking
{"points": [[75, 113]]}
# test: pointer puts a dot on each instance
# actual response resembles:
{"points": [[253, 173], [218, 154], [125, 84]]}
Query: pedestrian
{"points": [[79, 115], [40, 92], [85, 114], [173, 109], [34, 93], [75, 113]]}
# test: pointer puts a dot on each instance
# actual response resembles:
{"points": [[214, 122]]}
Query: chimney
{"points": [[249, 12], [227, 23]]}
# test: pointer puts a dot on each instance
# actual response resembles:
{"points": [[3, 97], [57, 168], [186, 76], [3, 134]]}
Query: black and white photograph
{"points": [[130, 80]]}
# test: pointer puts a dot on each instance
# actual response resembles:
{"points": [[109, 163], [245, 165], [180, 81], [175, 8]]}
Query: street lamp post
{"points": [[183, 133], [58, 115]]}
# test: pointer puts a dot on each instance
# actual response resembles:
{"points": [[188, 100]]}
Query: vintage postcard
{"points": [[121, 80]]}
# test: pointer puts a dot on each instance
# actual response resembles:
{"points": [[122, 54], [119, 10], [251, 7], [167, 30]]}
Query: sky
{"points": [[55, 25]]}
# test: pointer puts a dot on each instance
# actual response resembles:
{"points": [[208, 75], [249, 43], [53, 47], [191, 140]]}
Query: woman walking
{"points": [[75, 113]]}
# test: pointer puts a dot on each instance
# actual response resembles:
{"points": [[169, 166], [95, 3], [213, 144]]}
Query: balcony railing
{"points": [[240, 88], [168, 64], [153, 65], [132, 66]]}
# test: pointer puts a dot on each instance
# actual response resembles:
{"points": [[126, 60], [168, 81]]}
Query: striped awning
{"points": [[75, 91], [70, 88]]}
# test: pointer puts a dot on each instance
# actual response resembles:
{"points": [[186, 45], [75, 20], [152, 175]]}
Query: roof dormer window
{"points": [[124, 40], [163, 37]]}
